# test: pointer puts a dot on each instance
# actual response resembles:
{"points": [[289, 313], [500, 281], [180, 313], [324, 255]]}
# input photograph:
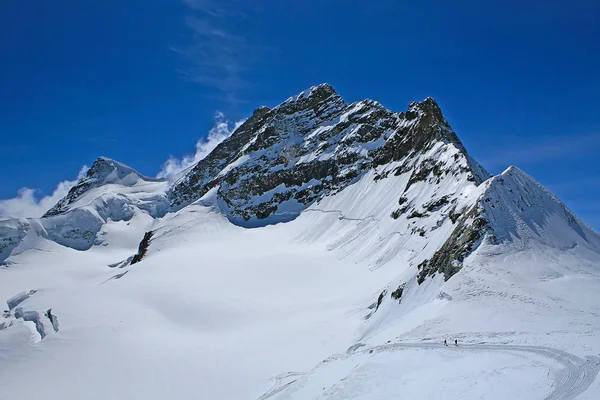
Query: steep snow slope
{"points": [[532, 251], [518, 207]]}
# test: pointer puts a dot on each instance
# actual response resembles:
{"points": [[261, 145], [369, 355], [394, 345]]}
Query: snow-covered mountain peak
{"points": [[110, 193], [322, 91], [107, 170], [261, 110], [429, 105], [514, 210], [519, 207], [104, 171], [314, 144], [316, 100]]}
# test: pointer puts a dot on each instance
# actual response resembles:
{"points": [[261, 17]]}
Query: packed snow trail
{"points": [[569, 382]]}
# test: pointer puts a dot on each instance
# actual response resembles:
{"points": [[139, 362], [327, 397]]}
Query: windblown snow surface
{"points": [[290, 311]]}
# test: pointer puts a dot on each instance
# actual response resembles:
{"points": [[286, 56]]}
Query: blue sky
{"points": [[141, 80]]}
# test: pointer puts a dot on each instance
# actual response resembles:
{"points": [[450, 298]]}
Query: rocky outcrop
{"points": [[143, 248], [448, 259], [397, 294]]}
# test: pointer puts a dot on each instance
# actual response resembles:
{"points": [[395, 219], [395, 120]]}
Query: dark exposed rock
{"points": [[436, 204], [397, 294], [454, 216], [426, 169], [143, 248], [380, 299], [202, 176], [448, 260], [417, 214], [402, 210], [420, 231]]}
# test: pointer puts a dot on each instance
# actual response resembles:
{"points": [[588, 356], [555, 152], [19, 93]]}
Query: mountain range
{"points": [[324, 250]]}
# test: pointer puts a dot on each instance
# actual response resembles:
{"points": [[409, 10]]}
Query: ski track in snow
{"points": [[342, 217], [578, 374]]}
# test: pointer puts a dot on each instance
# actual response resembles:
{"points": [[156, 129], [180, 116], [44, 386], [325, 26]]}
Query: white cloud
{"points": [[221, 131], [210, 7], [27, 204], [216, 55]]}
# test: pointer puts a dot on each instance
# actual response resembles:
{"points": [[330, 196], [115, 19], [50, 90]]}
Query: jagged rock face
{"points": [[198, 180], [312, 145], [448, 259]]}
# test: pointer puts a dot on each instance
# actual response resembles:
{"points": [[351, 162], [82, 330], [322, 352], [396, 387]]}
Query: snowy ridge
{"points": [[103, 172], [518, 207], [109, 193]]}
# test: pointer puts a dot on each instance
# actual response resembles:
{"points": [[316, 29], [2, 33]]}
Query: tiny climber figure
{"points": [[445, 343], [456, 342]]}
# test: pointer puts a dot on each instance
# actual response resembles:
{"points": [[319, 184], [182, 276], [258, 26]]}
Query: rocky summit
{"points": [[314, 144]]}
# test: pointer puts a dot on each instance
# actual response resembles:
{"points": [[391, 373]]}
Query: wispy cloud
{"points": [[213, 8], [540, 151], [217, 57], [219, 132], [28, 204]]}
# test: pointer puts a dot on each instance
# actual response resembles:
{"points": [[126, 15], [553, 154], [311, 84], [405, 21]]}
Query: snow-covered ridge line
{"points": [[524, 176]]}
